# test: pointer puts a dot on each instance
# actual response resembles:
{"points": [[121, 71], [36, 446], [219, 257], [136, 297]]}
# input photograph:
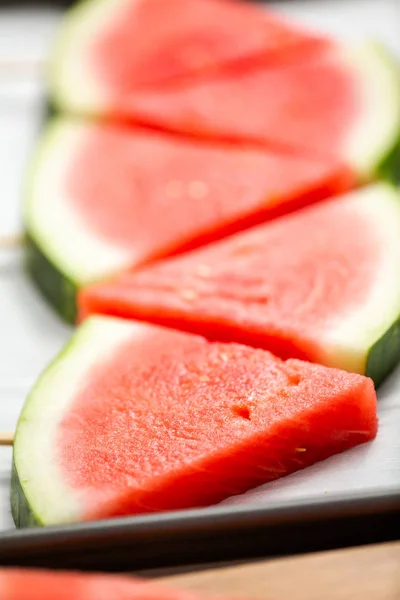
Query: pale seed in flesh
{"points": [[188, 294], [198, 189]]}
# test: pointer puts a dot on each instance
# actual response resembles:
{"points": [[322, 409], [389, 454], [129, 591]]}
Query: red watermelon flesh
{"points": [[173, 421], [151, 194], [25, 584], [303, 285], [311, 105], [164, 41]]}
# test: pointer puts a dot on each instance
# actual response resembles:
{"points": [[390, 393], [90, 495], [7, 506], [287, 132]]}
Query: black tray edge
{"points": [[207, 535]]}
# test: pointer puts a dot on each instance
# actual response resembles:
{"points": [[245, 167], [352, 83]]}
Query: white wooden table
{"points": [[30, 334]]}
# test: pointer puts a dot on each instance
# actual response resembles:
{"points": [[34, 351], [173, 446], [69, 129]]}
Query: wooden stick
{"points": [[21, 68], [8, 242], [6, 439]]}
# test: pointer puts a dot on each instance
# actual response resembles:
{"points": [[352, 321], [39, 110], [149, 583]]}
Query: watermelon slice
{"points": [[344, 103], [321, 284], [133, 418], [25, 584], [108, 49], [127, 196]]}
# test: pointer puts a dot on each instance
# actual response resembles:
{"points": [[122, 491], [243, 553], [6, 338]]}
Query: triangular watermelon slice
{"points": [[108, 49], [133, 418], [28, 584], [259, 79], [320, 284], [344, 103], [101, 199]]}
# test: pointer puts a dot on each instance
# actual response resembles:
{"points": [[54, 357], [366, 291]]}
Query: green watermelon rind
{"points": [[373, 158], [30, 507], [388, 168], [21, 509], [384, 355], [22, 513], [56, 286], [59, 290], [58, 272]]}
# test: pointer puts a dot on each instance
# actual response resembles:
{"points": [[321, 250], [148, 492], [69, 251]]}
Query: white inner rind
{"points": [[351, 336], [73, 82], [377, 128], [51, 220], [35, 448]]}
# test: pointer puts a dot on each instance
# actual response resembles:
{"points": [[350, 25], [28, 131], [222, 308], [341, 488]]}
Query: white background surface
{"points": [[30, 334]]}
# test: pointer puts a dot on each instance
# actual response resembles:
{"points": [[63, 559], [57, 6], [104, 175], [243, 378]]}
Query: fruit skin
{"points": [[21, 511], [54, 286], [58, 290], [389, 168], [50, 112], [22, 514], [383, 356]]}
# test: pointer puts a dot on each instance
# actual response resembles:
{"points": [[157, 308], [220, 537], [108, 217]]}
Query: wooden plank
{"points": [[366, 573]]}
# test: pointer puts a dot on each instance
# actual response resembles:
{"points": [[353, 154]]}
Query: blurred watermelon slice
{"points": [[102, 199], [228, 70], [344, 103], [108, 49], [321, 284], [24, 584], [133, 418]]}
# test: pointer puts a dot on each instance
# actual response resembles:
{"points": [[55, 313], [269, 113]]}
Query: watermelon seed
{"points": [[198, 189], [245, 249], [241, 411], [188, 294], [204, 378], [203, 270], [224, 357]]}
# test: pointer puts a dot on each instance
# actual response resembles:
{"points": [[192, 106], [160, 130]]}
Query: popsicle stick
{"points": [[6, 438], [21, 68], [8, 242]]}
